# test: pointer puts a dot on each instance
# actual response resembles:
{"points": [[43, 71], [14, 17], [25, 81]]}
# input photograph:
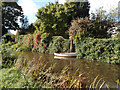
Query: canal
{"points": [[90, 69]]}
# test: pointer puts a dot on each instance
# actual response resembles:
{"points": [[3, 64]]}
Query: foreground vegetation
{"points": [[27, 75], [16, 78], [31, 74]]}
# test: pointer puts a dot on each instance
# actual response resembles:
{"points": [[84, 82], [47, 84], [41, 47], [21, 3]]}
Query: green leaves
{"points": [[58, 44], [106, 50], [55, 18]]}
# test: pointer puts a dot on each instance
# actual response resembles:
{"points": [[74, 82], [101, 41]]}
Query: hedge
{"points": [[106, 50]]}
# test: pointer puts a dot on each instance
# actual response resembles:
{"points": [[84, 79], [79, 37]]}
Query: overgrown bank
{"points": [[34, 43], [106, 50]]}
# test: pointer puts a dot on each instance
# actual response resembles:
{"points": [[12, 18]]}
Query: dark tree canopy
{"points": [[81, 9], [24, 23], [29, 29], [11, 13]]}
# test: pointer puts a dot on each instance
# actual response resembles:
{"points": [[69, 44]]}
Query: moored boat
{"points": [[71, 54]]}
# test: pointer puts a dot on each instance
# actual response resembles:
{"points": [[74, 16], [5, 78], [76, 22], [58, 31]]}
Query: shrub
{"points": [[18, 38], [8, 45], [43, 45], [8, 58], [15, 46], [24, 48], [58, 44], [40, 42], [7, 37], [24, 43]]}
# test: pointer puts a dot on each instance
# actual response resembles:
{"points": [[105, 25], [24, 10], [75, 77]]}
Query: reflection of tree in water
{"points": [[71, 65], [36, 59], [119, 73]]}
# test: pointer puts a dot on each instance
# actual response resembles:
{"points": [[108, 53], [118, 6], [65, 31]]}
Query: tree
{"points": [[79, 28], [29, 29], [0, 20], [55, 19], [102, 21], [11, 13], [98, 26], [24, 23], [81, 9]]}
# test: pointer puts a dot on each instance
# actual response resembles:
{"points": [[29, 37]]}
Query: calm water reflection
{"points": [[90, 69]]}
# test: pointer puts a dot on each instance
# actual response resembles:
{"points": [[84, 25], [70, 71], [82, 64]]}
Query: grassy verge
{"points": [[16, 78], [12, 78]]}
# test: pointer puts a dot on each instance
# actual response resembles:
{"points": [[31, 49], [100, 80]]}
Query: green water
{"points": [[90, 69]]}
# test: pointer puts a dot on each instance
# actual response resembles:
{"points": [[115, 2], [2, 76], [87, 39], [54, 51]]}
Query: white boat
{"points": [[72, 54]]}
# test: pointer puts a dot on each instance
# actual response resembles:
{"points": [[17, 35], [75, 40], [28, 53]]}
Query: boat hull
{"points": [[70, 55]]}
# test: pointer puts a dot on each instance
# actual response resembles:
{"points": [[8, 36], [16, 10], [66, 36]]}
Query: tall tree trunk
{"points": [[71, 45]]}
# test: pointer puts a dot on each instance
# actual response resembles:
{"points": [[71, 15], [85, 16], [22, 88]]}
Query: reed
{"points": [[34, 74]]}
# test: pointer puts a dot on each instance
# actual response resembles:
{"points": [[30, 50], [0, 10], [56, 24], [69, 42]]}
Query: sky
{"points": [[30, 7]]}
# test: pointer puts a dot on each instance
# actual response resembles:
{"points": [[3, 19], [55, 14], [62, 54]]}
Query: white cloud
{"points": [[44, 0], [29, 6], [107, 4], [12, 32], [61, 1], [95, 4]]}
